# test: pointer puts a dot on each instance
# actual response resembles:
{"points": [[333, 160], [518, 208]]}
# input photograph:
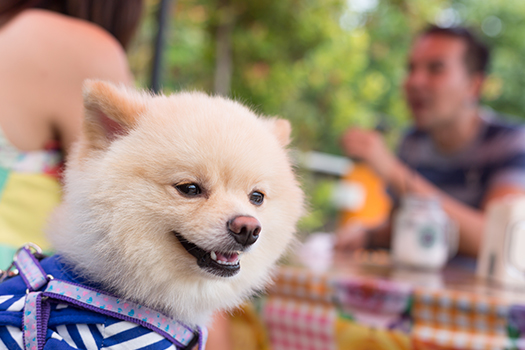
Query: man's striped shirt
{"points": [[495, 158]]}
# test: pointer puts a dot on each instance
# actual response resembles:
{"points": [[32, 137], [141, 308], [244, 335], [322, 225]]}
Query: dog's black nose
{"points": [[244, 229]]}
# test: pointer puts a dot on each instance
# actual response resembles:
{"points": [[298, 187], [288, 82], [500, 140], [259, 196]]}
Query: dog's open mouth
{"points": [[223, 264]]}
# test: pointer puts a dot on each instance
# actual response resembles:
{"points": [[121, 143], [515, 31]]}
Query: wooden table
{"points": [[362, 301]]}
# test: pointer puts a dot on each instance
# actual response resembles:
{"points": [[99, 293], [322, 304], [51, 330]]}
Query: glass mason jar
{"points": [[423, 235]]}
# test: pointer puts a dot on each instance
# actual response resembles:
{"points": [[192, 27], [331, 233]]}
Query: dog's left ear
{"points": [[282, 129], [109, 111]]}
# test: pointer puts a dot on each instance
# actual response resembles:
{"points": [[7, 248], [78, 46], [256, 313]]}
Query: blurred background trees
{"points": [[324, 64]]}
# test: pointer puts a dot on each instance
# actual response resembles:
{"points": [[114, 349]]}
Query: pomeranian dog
{"points": [[180, 203]]}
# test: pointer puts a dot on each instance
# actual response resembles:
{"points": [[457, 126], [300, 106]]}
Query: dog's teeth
{"points": [[228, 262], [223, 260]]}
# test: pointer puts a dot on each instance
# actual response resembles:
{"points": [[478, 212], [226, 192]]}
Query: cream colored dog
{"points": [[183, 203]]}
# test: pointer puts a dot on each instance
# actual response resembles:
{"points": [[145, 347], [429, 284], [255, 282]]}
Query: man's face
{"points": [[438, 85]]}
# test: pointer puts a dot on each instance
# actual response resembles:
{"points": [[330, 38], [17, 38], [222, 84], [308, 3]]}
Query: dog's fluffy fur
{"points": [[120, 206]]}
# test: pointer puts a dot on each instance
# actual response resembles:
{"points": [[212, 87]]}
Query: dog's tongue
{"points": [[227, 257]]}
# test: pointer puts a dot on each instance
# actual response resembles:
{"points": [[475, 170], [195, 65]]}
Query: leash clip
{"points": [[32, 248], [11, 271]]}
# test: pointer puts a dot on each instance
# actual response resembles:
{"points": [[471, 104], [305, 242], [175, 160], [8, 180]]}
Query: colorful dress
{"points": [[29, 190]]}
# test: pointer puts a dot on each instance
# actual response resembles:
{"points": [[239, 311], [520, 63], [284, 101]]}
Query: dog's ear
{"points": [[109, 111], [282, 129]]}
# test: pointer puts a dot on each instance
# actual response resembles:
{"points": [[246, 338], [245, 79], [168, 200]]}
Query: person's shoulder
{"points": [[79, 43], [503, 135], [52, 25], [501, 126]]}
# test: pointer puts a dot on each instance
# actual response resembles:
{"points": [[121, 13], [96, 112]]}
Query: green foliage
{"points": [[328, 64]]}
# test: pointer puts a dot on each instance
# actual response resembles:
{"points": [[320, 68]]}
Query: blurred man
{"points": [[456, 151]]}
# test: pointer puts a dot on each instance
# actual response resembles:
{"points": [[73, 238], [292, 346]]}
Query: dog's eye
{"points": [[189, 189], [256, 198]]}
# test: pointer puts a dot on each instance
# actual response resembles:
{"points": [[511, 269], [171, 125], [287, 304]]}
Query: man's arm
{"points": [[369, 146]]}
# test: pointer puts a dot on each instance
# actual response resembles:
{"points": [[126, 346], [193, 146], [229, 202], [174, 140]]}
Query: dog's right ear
{"points": [[109, 111], [281, 128]]}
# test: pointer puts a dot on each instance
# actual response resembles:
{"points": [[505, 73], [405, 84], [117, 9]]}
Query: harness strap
{"points": [[97, 301], [30, 270], [34, 322], [37, 309]]}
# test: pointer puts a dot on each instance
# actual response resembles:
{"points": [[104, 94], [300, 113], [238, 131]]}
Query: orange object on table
{"points": [[375, 207]]}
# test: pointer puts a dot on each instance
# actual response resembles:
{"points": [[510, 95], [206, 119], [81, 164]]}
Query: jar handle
{"points": [[515, 246], [452, 238]]}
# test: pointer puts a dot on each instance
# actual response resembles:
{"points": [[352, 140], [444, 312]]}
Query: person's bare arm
{"points": [[369, 146], [219, 336], [109, 64], [85, 51]]}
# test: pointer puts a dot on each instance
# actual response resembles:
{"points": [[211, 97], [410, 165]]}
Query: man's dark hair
{"points": [[477, 55]]}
